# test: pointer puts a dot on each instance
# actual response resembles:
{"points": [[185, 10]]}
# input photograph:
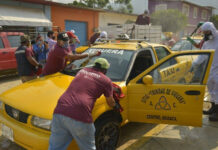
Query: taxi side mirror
{"points": [[147, 80]]}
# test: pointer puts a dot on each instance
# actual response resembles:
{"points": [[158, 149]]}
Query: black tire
{"points": [[107, 133]]}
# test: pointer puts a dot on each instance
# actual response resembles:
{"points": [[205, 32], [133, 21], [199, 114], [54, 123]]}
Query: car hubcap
{"points": [[108, 137]]}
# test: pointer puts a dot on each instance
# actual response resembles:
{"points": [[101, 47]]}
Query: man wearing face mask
{"points": [[60, 53], [26, 63], [40, 49], [211, 42]]}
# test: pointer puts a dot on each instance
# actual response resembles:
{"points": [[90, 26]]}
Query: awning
{"points": [[22, 16]]}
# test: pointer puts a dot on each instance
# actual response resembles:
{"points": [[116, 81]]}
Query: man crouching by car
{"points": [[72, 118], [60, 54]]}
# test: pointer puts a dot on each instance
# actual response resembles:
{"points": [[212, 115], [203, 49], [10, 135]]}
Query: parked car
{"points": [[9, 41], [183, 44], [156, 82]]}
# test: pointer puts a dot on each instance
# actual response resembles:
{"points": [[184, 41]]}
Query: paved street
{"points": [[138, 136]]}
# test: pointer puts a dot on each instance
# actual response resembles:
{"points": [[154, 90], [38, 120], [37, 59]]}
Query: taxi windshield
{"points": [[119, 62]]}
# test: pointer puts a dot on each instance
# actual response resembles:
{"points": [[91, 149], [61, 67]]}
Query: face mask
{"points": [[65, 45], [208, 37], [53, 37], [39, 42]]}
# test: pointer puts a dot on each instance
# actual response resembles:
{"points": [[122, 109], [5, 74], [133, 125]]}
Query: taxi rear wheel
{"points": [[107, 134]]}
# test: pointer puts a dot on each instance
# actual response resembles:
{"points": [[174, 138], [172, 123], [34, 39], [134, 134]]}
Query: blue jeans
{"points": [[65, 129]]}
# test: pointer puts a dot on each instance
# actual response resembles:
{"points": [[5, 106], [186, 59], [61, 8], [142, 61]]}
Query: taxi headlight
{"points": [[41, 123]]}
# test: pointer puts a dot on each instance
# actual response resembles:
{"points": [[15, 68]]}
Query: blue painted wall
{"points": [[80, 30]]}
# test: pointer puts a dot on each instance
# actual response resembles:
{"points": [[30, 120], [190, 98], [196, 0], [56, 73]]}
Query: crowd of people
{"points": [[43, 57], [72, 116]]}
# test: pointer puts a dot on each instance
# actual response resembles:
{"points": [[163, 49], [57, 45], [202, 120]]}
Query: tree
{"points": [[125, 7], [171, 20], [214, 19]]}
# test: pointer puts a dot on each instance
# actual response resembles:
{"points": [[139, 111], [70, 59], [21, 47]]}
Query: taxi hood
{"points": [[39, 97]]}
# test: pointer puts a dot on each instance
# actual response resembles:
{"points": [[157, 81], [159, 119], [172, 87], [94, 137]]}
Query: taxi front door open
{"points": [[176, 94]]}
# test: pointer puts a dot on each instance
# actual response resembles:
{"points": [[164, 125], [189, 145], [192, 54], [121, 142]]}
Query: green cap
{"points": [[103, 62], [24, 38]]}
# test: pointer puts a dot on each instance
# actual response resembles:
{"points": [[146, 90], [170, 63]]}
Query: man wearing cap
{"points": [[73, 40], [143, 19], [102, 37], [93, 38], [210, 42], [72, 118], [26, 63], [60, 53]]}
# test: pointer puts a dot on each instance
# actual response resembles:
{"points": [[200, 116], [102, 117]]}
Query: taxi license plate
{"points": [[7, 132]]}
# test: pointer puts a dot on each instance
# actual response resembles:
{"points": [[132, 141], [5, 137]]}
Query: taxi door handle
{"points": [[192, 92]]}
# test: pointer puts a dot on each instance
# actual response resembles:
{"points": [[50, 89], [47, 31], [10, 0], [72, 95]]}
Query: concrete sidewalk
{"points": [[173, 137]]}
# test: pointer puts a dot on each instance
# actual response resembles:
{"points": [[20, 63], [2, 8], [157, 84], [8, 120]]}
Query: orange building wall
{"points": [[61, 13]]}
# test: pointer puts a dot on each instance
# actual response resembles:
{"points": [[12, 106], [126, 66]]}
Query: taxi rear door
{"points": [[170, 91]]}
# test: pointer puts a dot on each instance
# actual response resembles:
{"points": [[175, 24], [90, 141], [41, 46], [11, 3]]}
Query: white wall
{"points": [[115, 18]]}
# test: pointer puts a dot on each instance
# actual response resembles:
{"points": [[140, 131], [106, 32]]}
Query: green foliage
{"points": [[125, 8], [171, 20], [214, 19]]}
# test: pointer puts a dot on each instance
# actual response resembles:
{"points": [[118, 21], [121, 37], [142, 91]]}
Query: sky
{"points": [[63, 1], [213, 3]]}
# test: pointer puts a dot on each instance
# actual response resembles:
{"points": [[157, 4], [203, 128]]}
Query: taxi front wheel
{"points": [[107, 134]]}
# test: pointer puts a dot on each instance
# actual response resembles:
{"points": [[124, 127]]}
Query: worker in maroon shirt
{"points": [[72, 118], [143, 19], [60, 54], [93, 38]]}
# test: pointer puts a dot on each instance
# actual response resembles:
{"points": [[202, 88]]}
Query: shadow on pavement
{"points": [[132, 132], [7, 78]]}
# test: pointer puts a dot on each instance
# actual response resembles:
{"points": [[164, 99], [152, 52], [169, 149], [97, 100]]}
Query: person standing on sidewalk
{"points": [[40, 49], [60, 54], [50, 40], [26, 63], [143, 19], [73, 41], [72, 118], [210, 42], [93, 38]]}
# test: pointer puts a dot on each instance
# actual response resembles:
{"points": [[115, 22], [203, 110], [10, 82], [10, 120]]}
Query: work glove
{"points": [[39, 66], [96, 53], [200, 24], [117, 107], [191, 41]]}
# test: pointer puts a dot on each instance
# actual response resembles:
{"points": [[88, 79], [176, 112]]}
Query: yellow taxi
{"points": [[157, 84]]}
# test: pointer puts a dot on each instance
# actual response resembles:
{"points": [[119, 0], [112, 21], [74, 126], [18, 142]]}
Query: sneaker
{"points": [[211, 110]]}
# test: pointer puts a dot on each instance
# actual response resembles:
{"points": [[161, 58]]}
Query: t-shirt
{"points": [[143, 20], [93, 38], [56, 60], [78, 100], [40, 52], [51, 43], [29, 52]]}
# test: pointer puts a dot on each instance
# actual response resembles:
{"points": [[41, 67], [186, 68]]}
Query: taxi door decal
{"points": [[174, 97]]}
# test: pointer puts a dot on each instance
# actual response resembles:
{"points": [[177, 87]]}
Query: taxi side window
{"points": [[184, 72], [1, 43], [142, 62], [163, 52]]}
